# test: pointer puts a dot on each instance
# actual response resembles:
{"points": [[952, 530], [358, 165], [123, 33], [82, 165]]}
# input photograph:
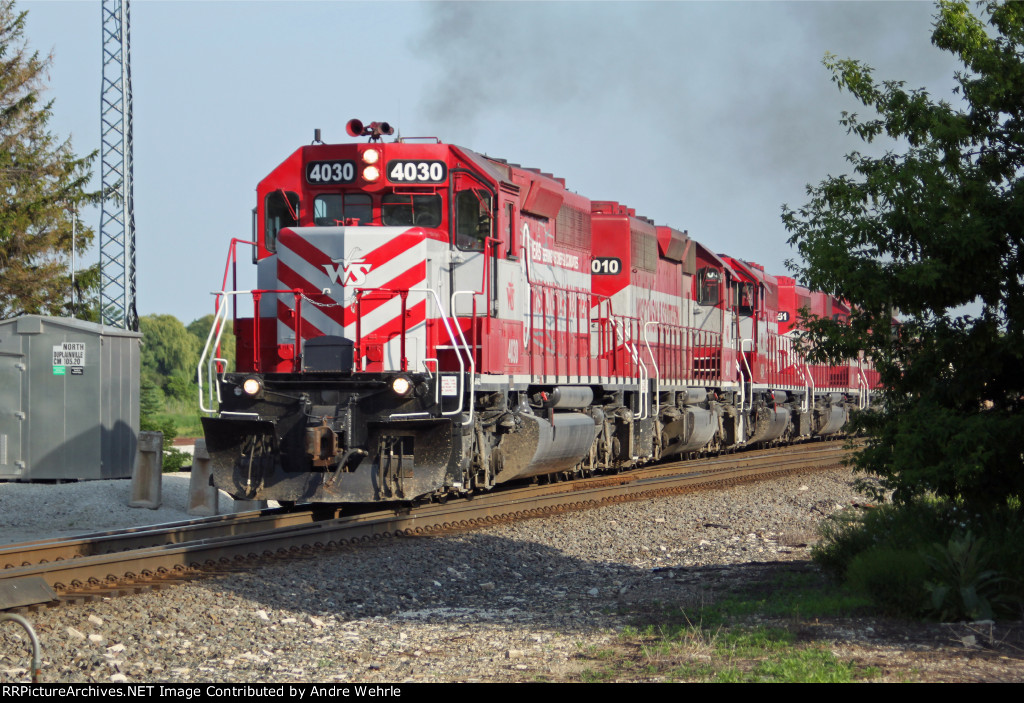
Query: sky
{"points": [[705, 116]]}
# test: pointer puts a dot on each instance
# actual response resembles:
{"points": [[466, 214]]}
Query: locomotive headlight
{"points": [[371, 173], [401, 385], [371, 156], [251, 386]]}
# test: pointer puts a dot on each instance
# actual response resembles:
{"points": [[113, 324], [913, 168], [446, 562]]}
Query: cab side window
{"points": [[472, 218], [708, 286], [281, 209], [744, 301]]}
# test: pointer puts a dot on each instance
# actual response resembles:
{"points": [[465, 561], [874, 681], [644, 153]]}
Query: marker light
{"points": [[371, 173], [371, 156], [251, 386], [401, 385]]}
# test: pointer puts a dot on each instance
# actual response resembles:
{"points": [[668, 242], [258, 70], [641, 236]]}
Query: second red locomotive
{"points": [[432, 321]]}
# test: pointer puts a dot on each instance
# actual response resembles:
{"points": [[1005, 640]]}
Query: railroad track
{"points": [[125, 561]]}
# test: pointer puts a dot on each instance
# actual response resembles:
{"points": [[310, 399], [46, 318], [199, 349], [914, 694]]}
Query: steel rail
{"points": [[91, 544], [225, 550]]}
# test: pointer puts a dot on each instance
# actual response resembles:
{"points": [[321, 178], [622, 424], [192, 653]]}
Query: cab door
{"points": [[509, 292], [472, 233]]}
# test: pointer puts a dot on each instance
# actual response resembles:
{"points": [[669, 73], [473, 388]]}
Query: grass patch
{"points": [[725, 642], [808, 665], [186, 423], [598, 676], [750, 643], [791, 594]]}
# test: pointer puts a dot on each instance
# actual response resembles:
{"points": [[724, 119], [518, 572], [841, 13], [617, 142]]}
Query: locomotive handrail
{"points": [[810, 387], [218, 328], [749, 386], [530, 313], [455, 345], [642, 375], [746, 364], [231, 264], [403, 294], [741, 415], [469, 356], [458, 355], [657, 371], [524, 254], [566, 322], [217, 331]]}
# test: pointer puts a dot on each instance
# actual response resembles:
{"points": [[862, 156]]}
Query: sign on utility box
{"points": [[69, 399], [69, 357]]}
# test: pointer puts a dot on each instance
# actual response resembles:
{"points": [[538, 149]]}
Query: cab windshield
{"points": [[332, 209], [411, 210]]}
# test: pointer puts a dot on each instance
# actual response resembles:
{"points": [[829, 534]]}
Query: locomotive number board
{"points": [[321, 172], [416, 171], [609, 265]]}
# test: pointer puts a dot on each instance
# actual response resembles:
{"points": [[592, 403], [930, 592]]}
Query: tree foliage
{"points": [[170, 355], [168, 348], [42, 183], [924, 231]]}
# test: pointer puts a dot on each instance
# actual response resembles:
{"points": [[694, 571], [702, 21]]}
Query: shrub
{"points": [[929, 557], [174, 459], [960, 584], [901, 527], [892, 578]]}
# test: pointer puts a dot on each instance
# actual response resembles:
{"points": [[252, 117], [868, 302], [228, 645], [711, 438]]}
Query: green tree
{"points": [[925, 229], [168, 349], [151, 401], [42, 183]]}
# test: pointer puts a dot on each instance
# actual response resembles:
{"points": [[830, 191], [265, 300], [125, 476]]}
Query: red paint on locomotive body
{"points": [[428, 320]]}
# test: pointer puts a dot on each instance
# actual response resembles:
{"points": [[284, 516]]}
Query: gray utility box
{"points": [[69, 399]]}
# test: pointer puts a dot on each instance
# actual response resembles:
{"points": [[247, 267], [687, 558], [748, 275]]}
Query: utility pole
{"points": [[117, 221]]}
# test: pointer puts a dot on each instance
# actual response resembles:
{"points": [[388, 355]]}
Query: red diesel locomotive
{"points": [[431, 321]]}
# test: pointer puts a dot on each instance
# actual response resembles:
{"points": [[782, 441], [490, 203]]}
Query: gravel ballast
{"points": [[513, 602]]}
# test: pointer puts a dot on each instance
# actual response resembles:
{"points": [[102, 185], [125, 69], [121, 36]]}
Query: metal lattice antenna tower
{"points": [[117, 222]]}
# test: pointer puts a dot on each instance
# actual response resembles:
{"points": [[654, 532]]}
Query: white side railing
{"points": [[460, 346], [209, 360], [654, 362], [643, 375]]}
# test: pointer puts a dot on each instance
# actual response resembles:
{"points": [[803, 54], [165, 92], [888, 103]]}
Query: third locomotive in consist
{"points": [[429, 321]]}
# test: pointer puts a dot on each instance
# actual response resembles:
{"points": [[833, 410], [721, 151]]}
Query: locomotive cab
{"points": [[393, 254], [351, 334]]}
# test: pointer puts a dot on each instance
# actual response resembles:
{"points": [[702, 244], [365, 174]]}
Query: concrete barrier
{"points": [[203, 498], [241, 506], [147, 474]]}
